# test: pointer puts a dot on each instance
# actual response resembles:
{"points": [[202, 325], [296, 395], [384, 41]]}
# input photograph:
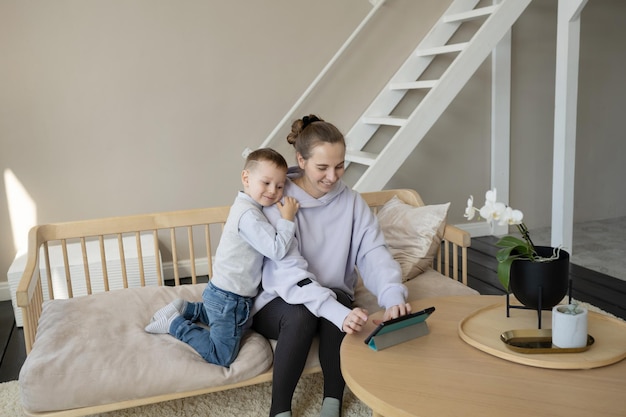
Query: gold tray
{"points": [[537, 341]]}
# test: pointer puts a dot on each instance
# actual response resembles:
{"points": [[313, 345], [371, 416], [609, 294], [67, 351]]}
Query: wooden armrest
{"points": [[29, 293], [447, 261], [29, 278], [457, 236]]}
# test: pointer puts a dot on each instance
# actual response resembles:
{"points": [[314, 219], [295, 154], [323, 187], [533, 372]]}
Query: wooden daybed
{"points": [[90, 354]]}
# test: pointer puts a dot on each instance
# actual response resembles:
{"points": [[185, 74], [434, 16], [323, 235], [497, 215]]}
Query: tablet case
{"points": [[394, 335]]}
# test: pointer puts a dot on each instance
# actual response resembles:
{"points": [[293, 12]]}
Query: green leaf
{"points": [[505, 253], [504, 272], [512, 248]]}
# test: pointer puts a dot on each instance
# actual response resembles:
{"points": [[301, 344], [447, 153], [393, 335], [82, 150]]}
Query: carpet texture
{"points": [[250, 401]]}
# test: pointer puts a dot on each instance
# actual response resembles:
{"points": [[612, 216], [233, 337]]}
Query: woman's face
{"points": [[323, 169]]}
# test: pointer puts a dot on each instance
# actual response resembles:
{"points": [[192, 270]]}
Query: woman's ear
{"points": [[300, 159]]}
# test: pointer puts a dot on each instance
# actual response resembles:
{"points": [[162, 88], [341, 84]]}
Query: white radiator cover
{"points": [[77, 272]]}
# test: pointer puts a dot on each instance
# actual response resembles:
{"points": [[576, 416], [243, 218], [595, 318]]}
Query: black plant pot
{"points": [[550, 279]]}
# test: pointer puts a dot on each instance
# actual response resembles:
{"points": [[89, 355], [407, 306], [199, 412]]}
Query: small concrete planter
{"points": [[569, 326]]}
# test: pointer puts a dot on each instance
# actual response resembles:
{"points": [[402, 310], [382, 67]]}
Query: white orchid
{"points": [[512, 248], [494, 211], [470, 210], [511, 217]]}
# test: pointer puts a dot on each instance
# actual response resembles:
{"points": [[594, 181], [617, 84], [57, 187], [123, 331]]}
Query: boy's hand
{"points": [[288, 208]]}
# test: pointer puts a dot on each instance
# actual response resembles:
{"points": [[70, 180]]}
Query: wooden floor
{"points": [[11, 344], [589, 286]]}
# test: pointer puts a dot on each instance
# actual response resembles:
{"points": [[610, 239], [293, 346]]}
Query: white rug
{"points": [[250, 401]]}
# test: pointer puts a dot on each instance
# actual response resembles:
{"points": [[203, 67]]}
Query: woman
{"points": [[310, 291]]}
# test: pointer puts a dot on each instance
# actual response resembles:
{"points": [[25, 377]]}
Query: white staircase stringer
{"points": [[434, 104], [410, 70], [273, 136]]}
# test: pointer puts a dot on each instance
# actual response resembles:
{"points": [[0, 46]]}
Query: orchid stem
{"points": [[524, 231]]}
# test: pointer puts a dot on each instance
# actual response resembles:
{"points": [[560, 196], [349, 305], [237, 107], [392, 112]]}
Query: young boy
{"points": [[247, 238]]}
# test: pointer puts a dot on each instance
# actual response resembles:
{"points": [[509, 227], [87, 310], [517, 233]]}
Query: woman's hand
{"points": [[397, 311], [355, 320]]}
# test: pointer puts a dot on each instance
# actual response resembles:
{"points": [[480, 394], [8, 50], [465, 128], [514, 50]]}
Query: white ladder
{"points": [[379, 166]]}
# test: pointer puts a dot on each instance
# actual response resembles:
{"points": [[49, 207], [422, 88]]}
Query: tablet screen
{"points": [[401, 322]]}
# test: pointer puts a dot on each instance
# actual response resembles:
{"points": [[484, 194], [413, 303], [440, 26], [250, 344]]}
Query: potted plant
{"points": [[538, 276]]}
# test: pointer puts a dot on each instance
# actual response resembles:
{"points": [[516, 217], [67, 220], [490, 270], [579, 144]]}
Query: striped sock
{"points": [[163, 318]]}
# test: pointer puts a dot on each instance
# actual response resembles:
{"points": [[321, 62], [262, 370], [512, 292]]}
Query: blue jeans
{"points": [[226, 314]]}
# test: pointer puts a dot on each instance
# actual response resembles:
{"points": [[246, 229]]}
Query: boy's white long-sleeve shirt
{"points": [[334, 234], [247, 238]]}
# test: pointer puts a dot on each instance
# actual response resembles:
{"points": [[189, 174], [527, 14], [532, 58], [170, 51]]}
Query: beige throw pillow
{"points": [[413, 234]]}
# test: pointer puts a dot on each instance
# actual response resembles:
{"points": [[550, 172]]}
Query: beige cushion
{"points": [[429, 284], [413, 234], [94, 350]]}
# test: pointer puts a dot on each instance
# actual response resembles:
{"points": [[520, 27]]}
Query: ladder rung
{"points": [[360, 157], [413, 85], [470, 15], [385, 120], [446, 49]]}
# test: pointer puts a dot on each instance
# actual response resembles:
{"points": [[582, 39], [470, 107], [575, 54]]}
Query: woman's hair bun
{"points": [[307, 120], [299, 125]]}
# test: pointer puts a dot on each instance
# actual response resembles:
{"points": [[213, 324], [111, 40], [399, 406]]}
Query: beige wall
{"points": [[114, 107]]}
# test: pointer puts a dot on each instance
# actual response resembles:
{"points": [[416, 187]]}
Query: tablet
{"points": [[400, 322]]}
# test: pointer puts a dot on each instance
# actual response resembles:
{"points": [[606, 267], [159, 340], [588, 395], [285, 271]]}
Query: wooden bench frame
{"points": [[30, 295]]}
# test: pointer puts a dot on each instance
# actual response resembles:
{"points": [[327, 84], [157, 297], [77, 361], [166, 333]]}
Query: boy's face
{"points": [[264, 182]]}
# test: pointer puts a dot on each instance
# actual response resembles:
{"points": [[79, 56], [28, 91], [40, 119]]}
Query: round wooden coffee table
{"points": [[441, 375]]}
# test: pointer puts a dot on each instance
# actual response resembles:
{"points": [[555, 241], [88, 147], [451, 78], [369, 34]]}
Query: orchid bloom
{"points": [[494, 211], [491, 210], [511, 217], [470, 210]]}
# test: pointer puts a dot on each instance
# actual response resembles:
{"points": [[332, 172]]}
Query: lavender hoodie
{"points": [[334, 234]]}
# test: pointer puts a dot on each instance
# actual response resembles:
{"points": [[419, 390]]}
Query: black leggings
{"points": [[294, 327]]}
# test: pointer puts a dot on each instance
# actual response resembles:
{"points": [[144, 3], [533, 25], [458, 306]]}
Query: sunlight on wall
{"points": [[22, 211]]}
